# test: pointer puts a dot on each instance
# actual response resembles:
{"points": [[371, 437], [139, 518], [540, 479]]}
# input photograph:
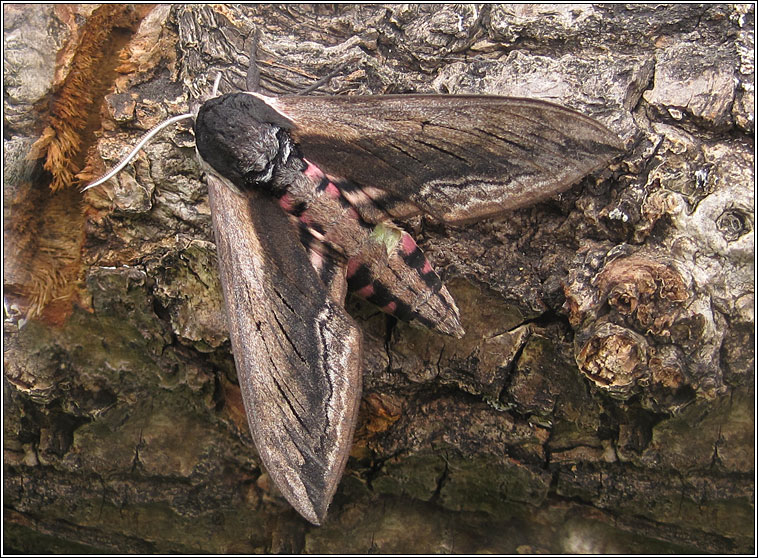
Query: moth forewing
{"points": [[297, 352], [459, 158]]}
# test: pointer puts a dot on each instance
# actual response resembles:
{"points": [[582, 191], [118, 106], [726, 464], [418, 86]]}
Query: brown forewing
{"points": [[297, 352], [459, 158]]}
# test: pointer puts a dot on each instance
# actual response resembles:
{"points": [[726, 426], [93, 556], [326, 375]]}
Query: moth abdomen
{"points": [[375, 205], [415, 258], [384, 264], [402, 282]]}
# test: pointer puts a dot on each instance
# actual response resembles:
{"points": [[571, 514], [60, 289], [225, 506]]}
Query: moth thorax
{"points": [[274, 178], [231, 137]]}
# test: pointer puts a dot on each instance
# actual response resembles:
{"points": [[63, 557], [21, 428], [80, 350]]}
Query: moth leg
{"points": [[253, 80], [323, 80]]}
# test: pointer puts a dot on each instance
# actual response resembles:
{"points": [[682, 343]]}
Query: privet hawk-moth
{"points": [[303, 191]]}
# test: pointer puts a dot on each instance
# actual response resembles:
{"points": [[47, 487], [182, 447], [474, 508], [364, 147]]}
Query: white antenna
{"points": [[146, 138], [215, 84]]}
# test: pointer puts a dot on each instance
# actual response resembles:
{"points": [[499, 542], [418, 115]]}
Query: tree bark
{"points": [[602, 400]]}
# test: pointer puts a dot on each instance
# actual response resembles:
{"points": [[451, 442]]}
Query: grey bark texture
{"points": [[602, 400]]}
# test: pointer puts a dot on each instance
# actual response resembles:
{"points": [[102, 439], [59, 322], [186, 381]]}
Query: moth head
{"points": [[238, 135]]}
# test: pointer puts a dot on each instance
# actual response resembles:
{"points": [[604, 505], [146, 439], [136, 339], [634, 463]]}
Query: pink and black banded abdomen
{"points": [[383, 263], [406, 286]]}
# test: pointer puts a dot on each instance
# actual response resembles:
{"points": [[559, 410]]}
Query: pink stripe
{"points": [[427, 267], [409, 245], [332, 191], [313, 172], [390, 308], [352, 266], [366, 291], [285, 202], [305, 218]]}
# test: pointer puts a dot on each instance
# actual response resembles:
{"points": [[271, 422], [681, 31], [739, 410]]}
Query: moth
{"points": [[303, 192]]}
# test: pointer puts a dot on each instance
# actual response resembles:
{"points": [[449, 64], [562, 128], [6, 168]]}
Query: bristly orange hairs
{"points": [[61, 142], [45, 234]]}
